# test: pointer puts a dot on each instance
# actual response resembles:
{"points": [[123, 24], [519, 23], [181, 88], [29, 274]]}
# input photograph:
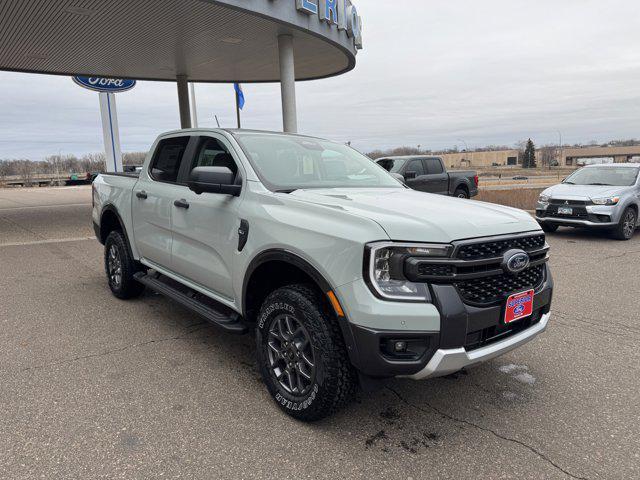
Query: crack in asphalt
{"points": [[204, 325], [15, 224], [485, 429], [583, 319], [596, 259]]}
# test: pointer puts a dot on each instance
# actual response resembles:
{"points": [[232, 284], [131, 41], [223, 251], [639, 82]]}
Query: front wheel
{"points": [[301, 354], [627, 225]]}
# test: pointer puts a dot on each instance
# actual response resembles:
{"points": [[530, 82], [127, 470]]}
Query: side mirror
{"points": [[213, 180], [398, 177], [410, 175]]}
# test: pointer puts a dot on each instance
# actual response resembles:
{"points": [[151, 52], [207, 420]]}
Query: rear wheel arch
{"points": [[111, 220]]}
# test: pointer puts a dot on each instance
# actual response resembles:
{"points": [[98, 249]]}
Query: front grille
{"points": [[434, 270], [558, 201], [494, 289], [496, 248]]}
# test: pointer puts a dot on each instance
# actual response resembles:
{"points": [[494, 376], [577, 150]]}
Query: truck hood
{"points": [[408, 215], [566, 191]]}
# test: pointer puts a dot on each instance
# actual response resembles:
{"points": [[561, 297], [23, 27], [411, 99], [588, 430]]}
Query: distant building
{"points": [[571, 157], [496, 158]]}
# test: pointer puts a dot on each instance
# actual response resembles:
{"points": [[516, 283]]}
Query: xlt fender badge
{"points": [[243, 234]]}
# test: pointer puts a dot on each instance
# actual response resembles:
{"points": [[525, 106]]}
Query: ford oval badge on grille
{"points": [[515, 261]]}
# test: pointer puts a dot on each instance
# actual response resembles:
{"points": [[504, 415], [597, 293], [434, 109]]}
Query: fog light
{"points": [[400, 347]]}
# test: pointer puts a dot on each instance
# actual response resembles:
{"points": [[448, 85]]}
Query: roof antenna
{"points": [[217, 120]]}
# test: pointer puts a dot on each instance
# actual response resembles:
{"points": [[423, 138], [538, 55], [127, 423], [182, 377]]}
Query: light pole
{"points": [[467, 150], [58, 160], [560, 150]]}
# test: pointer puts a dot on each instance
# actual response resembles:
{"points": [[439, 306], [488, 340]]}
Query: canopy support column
{"points": [[110, 132], [288, 83], [183, 101]]}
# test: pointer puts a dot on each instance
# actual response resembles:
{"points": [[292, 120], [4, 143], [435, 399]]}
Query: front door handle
{"points": [[182, 203], [142, 195]]}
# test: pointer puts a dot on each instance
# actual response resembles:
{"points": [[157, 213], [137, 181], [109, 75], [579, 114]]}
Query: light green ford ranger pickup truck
{"points": [[345, 276]]}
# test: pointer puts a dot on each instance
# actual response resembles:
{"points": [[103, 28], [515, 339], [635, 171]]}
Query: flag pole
{"points": [[238, 108]]}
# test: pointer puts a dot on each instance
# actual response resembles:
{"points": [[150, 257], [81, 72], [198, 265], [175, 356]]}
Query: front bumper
{"points": [[573, 222], [447, 334], [445, 362], [588, 216]]}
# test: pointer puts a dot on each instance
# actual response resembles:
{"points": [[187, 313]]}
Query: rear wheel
{"points": [[120, 267], [461, 193], [627, 225], [301, 354], [548, 227]]}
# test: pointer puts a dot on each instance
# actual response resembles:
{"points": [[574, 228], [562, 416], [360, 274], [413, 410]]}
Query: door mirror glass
{"points": [[411, 174], [213, 180]]}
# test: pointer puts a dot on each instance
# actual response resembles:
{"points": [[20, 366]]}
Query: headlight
{"points": [[606, 201], [385, 269], [544, 199]]}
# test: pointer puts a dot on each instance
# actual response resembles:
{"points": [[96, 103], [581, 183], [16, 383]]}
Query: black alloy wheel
{"points": [[291, 356]]}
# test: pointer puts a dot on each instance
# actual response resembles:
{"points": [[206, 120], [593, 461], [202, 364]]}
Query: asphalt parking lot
{"points": [[94, 387]]}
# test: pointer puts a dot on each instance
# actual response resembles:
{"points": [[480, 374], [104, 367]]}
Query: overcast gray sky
{"points": [[434, 73]]}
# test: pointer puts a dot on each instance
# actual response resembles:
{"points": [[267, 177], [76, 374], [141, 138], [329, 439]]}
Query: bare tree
{"points": [[5, 169], [26, 170], [548, 155], [133, 158]]}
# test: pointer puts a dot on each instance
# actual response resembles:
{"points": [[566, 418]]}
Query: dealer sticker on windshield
{"points": [[519, 305]]}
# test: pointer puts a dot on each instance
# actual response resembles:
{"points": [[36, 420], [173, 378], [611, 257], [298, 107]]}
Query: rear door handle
{"points": [[182, 203], [142, 195]]}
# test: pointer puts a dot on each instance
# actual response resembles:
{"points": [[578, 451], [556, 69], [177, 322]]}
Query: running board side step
{"points": [[223, 317]]}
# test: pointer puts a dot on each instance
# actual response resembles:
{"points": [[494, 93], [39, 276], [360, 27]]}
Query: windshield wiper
{"points": [[569, 183], [601, 184]]}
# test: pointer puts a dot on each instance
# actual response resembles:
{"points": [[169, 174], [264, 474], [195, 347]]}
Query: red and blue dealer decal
{"points": [[519, 305]]}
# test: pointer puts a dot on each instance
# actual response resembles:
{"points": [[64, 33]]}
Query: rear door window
{"points": [[167, 159], [434, 166], [416, 166]]}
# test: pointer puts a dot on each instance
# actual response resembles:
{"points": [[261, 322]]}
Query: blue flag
{"points": [[240, 94]]}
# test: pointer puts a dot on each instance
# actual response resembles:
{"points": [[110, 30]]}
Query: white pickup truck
{"points": [[345, 275]]}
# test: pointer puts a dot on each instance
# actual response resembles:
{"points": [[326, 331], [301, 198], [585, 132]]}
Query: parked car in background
{"points": [[343, 274], [428, 174], [596, 196]]}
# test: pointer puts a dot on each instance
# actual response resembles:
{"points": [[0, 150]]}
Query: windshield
{"points": [[287, 162], [613, 176], [393, 165]]}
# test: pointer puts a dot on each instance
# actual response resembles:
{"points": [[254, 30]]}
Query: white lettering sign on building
{"points": [[341, 13]]}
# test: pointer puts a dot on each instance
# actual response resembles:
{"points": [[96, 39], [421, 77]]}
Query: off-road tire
{"points": [[127, 287], [461, 193], [549, 227], [626, 226], [334, 379]]}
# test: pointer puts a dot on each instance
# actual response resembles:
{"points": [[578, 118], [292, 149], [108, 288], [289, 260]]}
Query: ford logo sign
{"points": [[515, 261], [107, 85]]}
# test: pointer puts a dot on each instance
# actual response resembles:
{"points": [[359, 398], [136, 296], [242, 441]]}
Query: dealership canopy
{"points": [[183, 40]]}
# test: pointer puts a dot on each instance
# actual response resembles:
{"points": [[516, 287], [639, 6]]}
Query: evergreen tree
{"points": [[529, 158]]}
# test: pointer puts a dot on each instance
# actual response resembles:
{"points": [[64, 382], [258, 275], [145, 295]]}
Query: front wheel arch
{"points": [[258, 270]]}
